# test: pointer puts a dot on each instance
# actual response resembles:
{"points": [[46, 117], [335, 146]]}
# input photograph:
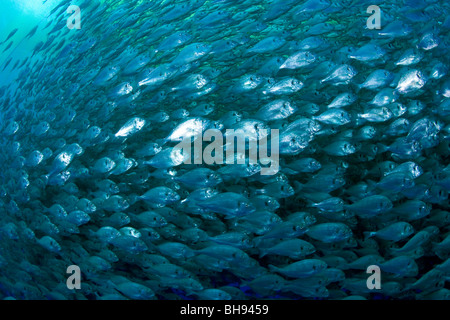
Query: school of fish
{"points": [[90, 176]]}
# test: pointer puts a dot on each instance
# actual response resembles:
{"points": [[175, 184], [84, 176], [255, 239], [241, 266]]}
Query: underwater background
{"points": [[92, 107]]}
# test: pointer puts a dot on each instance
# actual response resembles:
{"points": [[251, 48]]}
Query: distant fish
{"points": [[11, 34]]}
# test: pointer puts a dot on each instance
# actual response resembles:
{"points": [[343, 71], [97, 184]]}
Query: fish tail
{"points": [[310, 204], [297, 186], [46, 177], [368, 234], [438, 250], [435, 245], [257, 241], [142, 163], [394, 251], [273, 268], [263, 253], [161, 142], [382, 148]]}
